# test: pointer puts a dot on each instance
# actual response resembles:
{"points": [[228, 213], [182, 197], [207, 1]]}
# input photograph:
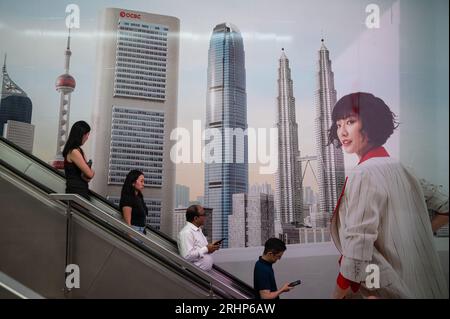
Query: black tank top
{"points": [[75, 184]]}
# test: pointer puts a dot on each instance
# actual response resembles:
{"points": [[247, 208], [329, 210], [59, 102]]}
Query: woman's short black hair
{"points": [[274, 245], [128, 188], [76, 136], [378, 121]]}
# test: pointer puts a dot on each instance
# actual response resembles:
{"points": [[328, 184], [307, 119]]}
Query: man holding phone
{"points": [[263, 276], [192, 244]]}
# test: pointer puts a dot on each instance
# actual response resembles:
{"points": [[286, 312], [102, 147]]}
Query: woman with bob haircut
{"points": [[381, 222], [132, 202], [78, 171]]}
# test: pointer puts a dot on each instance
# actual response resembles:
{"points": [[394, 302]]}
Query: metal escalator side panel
{"points": [[157, 247], [36, 169], [33, 252]]}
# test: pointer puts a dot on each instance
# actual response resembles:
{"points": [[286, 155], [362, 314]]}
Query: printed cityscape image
{"points": [[224, 149]]}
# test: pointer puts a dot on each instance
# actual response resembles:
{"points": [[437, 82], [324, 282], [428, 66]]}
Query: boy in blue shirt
{"points": [[263, 275]]}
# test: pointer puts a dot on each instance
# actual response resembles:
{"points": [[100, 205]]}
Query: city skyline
{"points": [[363, 59]]}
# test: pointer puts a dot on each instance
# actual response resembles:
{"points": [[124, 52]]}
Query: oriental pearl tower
{"points": [[65, 84]]}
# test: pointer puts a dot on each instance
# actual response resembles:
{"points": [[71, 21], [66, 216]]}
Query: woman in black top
{"points": [[78, 171], [132, 202]]}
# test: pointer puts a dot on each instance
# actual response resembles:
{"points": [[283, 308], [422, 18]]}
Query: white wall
{"points": [[316, 265]]}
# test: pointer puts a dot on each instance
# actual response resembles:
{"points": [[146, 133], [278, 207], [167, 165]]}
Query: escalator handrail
{"points": [[119, 225], [102, 199], [53, 170], [25, 177], [16, 288], [31, 156]]}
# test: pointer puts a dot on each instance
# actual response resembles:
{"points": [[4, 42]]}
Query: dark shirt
{"points": [[138, 209], [75, 184], [264, 278]]}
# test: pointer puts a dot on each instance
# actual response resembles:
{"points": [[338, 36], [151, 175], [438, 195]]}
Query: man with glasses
{"points": [[263, 276], [192, 244]]}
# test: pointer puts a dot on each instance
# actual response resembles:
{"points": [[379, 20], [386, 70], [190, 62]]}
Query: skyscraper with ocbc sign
{"points": [[135, 107]]}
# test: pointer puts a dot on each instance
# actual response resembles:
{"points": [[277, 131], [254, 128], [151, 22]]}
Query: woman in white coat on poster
{"points": [[381, 217]]}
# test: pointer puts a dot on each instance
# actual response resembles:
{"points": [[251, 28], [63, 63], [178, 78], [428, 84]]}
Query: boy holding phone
{"points": [[263, 275]]}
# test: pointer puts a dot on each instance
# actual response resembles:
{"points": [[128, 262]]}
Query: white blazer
{"points": [[382, 219]]}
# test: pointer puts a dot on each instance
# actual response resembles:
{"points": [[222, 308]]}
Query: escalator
{"points": [[43, 230], [12, 289]]}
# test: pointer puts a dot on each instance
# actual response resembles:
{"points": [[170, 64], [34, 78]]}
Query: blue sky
{"points": [[34, 35]]}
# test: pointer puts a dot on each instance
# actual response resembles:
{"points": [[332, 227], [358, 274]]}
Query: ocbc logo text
{"points": [[124, 14]]}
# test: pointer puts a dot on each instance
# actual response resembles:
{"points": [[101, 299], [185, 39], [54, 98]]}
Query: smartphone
{"points": [[295, 283], [219, 241]]}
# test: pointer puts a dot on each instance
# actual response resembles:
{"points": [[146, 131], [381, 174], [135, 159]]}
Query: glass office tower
{"points": [[226, 167]]}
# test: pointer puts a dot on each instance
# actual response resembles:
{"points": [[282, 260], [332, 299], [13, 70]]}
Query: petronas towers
{"points": [[330, 160], [289, 190]]}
